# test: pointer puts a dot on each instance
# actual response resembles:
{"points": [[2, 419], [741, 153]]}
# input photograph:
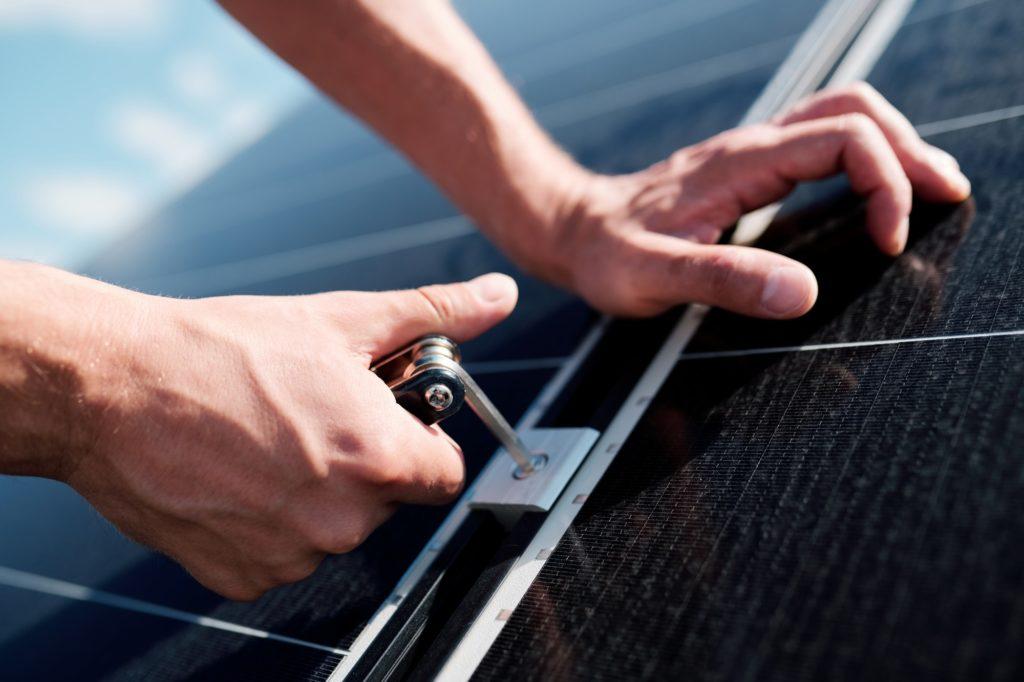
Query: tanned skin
{"points": [[246, 437]]}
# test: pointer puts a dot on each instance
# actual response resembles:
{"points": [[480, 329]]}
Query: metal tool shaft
{"points": [[497, 424], [437, 353]]}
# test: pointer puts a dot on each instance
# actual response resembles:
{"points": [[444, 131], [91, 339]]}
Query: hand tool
{"points": [[429, 381]]}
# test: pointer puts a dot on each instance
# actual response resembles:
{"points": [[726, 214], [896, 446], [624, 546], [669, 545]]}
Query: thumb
{"points": [[461, 311], [742, 279]]}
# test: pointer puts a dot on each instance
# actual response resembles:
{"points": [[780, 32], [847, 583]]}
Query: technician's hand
{"points": [[246, 437], [638, 244]]}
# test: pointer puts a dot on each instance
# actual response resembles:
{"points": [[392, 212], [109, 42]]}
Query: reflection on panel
{"points": [[629, 105], [948, 62], [960, 273], [840, 512], [666, 79], [87, 641]]}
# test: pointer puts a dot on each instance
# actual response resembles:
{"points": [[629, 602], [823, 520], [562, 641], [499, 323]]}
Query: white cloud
{"points": [[197, 76], [179, 151], [245, 120], [83, 202], [93, 18]]}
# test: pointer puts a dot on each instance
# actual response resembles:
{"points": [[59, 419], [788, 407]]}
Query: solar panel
{"points": [[833, 496], [313, 207], [836, 497]]}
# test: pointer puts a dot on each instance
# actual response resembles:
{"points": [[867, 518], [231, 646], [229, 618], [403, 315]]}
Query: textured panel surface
{"points": [[621, 85], [839, 513]]}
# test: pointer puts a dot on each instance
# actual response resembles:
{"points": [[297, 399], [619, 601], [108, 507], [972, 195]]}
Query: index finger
{"points": [[933, 173], [431, 469]]}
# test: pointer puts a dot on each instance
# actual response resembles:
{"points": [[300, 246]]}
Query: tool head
{"points": [[424, 376]]}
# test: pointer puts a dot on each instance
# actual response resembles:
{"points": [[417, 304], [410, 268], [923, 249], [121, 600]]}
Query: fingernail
{"points": [[902, 232], [493, 287], [941, 157], [786, 290], [951, 169]]}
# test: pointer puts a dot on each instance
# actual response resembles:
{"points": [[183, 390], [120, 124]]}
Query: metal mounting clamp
{"points": [[428, 380]]}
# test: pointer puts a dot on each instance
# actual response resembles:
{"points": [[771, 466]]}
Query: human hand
{"points": [[246, 438], [638, 244]]}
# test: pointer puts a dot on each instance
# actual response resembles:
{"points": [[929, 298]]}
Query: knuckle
{"points": [[378, 459], [370, 442], [861, 92], [713, 150], [717, 271], [677, 162], [451, 482], [388, 473], [293, 571], [757, 134], [903, 195], [360, 441], [711, 270], [721, 150], [750, 137], [315, 465], [852, 98], [388, 468], [344, 540], [439, 302], [857, 125], [239, 592]]}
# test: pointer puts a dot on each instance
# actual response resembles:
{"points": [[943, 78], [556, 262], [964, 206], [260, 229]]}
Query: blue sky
{"points": [[111, 107]]}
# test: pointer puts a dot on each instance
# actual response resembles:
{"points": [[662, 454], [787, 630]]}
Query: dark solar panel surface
{"points": [[88, 641], [845, 514], [842, 513], [294, 190]]}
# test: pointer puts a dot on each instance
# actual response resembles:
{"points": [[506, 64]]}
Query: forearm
{"points": [[55, 342], [416, 73]]}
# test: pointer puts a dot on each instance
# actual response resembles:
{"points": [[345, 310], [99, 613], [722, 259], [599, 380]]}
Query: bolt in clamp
{"points": [[429, 382]]}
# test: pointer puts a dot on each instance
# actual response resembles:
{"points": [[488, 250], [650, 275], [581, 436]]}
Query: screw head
{"points": [[438, 396]]}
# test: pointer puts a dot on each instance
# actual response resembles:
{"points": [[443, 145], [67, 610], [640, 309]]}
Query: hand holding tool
{"points": [[428, 380]]}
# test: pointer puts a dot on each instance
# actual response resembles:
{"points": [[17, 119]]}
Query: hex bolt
{"points": [[438, 396]]}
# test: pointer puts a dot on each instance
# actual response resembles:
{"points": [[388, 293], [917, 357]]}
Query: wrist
{"points": [[566, 253], [62, 349], [537, 228]]}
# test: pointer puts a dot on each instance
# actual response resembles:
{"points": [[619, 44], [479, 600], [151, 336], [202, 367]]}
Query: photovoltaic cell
{"points": [[331, 607], [842, 513], [663, 103], [90, 641]]}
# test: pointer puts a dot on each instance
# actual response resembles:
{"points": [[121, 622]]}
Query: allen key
{"points": [[429, 382]]}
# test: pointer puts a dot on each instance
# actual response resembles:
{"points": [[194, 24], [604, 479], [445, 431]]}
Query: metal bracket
{"points": [[429, 381], [500, 488]]}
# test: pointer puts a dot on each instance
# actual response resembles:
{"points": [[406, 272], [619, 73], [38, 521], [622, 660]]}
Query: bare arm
{"points": [[416, 73], [633, 244], [52, 330], [245, 455], [248, 456]]}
